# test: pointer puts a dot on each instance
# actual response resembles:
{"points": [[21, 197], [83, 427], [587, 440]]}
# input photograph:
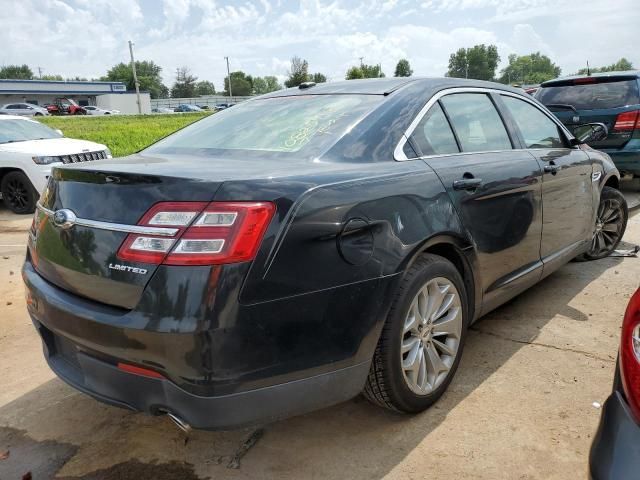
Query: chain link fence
{"points": [[209, 100]]}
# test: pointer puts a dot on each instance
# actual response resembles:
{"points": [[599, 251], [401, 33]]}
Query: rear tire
{"points": [[611, 223], [413, 365], [18, 193]]}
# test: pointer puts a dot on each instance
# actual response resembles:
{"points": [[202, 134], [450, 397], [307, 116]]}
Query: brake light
{"points": [[205, 234], [582, 81], [628, 121], [630, 355]]}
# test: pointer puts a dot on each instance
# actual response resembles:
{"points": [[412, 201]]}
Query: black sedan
{"points": [[615, 452], [308, 245]]}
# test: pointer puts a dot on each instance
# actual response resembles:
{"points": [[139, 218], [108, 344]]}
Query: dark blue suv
{"points": [[611, 98]]}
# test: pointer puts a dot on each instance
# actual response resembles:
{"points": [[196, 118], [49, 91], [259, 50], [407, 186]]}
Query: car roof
{"points": [[568, 80], [386, 86], [15, 117]]}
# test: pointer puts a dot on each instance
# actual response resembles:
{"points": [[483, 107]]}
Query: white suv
{"points": [[28, 149]]}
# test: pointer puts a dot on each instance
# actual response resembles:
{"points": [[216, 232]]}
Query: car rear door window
{"points": [[538, 130], [433, 135], [476, 122]]}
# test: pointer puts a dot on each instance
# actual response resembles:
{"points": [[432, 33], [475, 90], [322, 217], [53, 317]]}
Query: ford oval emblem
{"points": [[64, 218]]}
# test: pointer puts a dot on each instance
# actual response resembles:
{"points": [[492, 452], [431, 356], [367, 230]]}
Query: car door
{"points": [[495, 188], [14, 109], [567, 195]]}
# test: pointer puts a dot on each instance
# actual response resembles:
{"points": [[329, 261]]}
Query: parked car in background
{"points": [[615, 452], [162, 110], [203, 107], [28, 150], [65, 106], [343, 243], [187, 108], [612, 98], [91, 110], [221, 106], [23, 109]]}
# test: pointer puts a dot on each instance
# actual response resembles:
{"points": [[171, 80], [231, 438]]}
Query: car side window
{"points": [[538, 130], [476, 122], [13, 107], [433, 135]]}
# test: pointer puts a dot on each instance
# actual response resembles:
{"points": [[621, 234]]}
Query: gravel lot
{"points": [[520, 406]]}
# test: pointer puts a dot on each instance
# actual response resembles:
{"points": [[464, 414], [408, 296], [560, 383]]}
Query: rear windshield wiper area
{"points": [[561, 106]]}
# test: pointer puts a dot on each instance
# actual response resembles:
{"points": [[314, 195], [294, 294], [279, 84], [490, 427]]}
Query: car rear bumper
{"points": [[107, 383], [626, 160], [248, 364], [615, 452]]}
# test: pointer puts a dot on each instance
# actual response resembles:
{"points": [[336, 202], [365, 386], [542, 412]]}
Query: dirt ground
{"points": [[520, 406]]}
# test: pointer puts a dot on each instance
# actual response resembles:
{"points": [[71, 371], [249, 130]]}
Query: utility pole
{"points": [[135, 78], [40, 73], [361, 65], [229, 77]]}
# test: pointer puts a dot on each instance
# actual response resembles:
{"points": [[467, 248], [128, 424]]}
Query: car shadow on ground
{"points": [[361, 440]]}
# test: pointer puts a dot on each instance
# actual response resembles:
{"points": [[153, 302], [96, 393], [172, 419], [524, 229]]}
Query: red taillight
{"points": [[630, 355], [206, 234], [628, 121]]}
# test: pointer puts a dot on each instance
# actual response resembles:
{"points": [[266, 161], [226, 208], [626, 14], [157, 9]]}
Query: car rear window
{"points": [[308, 124], [592, 96]]}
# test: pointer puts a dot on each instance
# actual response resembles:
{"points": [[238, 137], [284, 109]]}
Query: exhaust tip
{"points": [[180, 423]]}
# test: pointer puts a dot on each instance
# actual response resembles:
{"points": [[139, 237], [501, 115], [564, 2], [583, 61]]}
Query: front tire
{"points": [[611, 223], [18, 193], [422, 340]]}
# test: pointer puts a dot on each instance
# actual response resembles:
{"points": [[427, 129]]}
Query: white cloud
{"points": [[260, 36]]}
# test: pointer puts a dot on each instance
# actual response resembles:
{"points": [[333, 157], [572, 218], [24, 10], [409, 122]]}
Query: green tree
{"points": [[299, 72], [318, 77], [479, 62], [620, 66], [241, 84], [16, 72], [149, 77], [354, 73], [364, 71], [205, 87], [262, 85], [52, 77], [185, 84], [529, 69], [76, 79], [403, 69]]}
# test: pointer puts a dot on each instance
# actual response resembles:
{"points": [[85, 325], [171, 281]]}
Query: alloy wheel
{"points": [[609, 224], [431, 335], [17, 194]]}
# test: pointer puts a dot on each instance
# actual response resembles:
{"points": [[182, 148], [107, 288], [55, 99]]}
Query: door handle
{"points": [[467, 184], [551, 168]]}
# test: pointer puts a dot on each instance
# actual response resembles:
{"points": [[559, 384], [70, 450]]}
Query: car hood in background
{"points": [[52, 146]]}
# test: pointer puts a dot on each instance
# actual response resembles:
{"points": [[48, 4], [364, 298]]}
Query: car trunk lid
{"points": [[612, 100], [83, 258]]}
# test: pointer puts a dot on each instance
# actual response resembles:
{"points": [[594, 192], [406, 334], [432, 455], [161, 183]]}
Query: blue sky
{"points": [[86, 37]]}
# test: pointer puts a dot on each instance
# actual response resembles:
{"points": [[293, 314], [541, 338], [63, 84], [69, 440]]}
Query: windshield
{"points": [[24, 130], [592, 96], [304, 124]]}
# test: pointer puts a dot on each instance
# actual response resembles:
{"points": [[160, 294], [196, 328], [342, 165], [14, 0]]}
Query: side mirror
{"points": [[590, 132]]}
